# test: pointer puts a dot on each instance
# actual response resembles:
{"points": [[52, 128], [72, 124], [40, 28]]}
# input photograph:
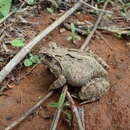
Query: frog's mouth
{"points": [[45, 58], [50, 62]]}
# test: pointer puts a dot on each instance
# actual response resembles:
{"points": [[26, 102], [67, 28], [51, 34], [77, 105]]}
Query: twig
{"points": [[82, 32], [11, 13], [30, 111], [29, 72], [78, 30], [4, 87], [58, 110], [95, 27], [25, 21], [75, 110], [102, 37], [81, 113], [7, 16], [25, 50], [3, 44], [101, 10], [54, 3]]}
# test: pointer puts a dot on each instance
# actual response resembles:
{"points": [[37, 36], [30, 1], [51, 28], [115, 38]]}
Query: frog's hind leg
{"points": [[60, 82], [93, 90]]}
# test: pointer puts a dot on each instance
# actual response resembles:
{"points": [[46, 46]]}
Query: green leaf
{"points": [[69, 38], [120, 33], [86, 32], [123, 14], [128, 32], [27, 62], [55, 104], [101, 1], [73, 28], [127, 4], [50, 10], [61, 99], [68, 116], [121, 1], [77, 37], [34, 59], [31, 2], [17, 43], [5, 7], [66, 104]]}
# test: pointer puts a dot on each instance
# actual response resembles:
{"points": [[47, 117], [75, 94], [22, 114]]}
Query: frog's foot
{"points": [[93, 90], [60, 82]]}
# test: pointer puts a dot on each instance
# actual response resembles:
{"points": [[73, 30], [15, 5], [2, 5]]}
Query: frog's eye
{"points": [[52, 45], [48, 58]]}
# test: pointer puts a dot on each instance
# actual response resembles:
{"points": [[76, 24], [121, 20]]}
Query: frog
{"points": [[77, 68]]}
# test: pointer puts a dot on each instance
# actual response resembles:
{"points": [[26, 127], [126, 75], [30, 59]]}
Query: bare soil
{"points": [[111, 112]]}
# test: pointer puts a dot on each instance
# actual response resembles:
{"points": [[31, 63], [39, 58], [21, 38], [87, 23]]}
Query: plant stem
{"points": [[58, 110]]}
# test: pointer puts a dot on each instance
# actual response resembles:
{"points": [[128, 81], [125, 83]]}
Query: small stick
{"points": [[101, 10], [58, 110], [102, 37], [25, 50], [82, 115], [68, 27], [3, 45], [95, 27], [11, 13], [7, 16], [82, 32], [25, 21], [54, 3], [30, 111], [75, 110]]}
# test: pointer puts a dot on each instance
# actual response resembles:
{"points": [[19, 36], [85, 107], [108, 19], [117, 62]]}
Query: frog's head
{"points": [[47, 57], [46, 54]]}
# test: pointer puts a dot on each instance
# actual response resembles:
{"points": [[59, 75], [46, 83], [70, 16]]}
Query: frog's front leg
{"points": [[60, 82], [94, 90]]}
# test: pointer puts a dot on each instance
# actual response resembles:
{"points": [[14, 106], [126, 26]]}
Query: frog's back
{"points": [[79, 71]]}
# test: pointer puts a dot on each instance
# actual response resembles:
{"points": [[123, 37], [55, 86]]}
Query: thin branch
{"points": [[82, 32], [25, 21], [58, 110], [25, 50], [75, 110], [82, 115], [102, 37], [95, 27], [78, 30], [11, 13], [7, 16], [30, 111], [101, 10], [54, 3]]}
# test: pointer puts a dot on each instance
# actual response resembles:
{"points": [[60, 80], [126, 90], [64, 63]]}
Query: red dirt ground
{"points": [[111, 112]]}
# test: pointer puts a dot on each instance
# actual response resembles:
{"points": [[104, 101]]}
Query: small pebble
{"points": [[119, 77], [8, 118], [62, 30]]}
